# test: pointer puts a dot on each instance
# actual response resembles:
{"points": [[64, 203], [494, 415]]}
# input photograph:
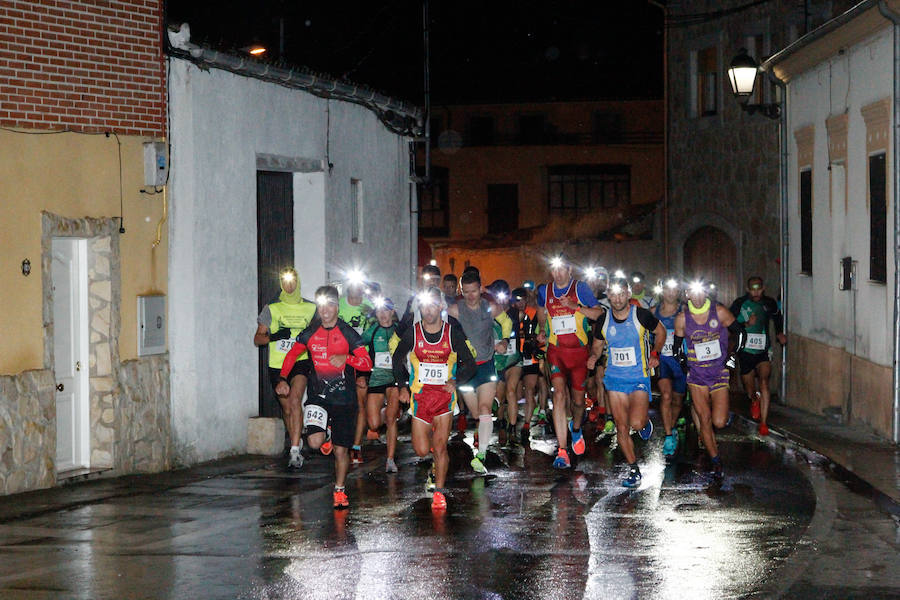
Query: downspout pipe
{"points": [[785, 231], [895, 19]]}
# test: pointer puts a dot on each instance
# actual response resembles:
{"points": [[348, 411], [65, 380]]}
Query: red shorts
{"points": [[430, 403], [569, 364]]}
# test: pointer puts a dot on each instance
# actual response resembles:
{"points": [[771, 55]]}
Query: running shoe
{"points": [[511, 439], [478, 465], [717, 470], [390, 466], [356, 456], [295, 462], [372, 435], [613, 443], [763, 429], [594, 415], [542, 418], [429, 482], [578, 445], [755, 412], [610, 427], [670, 444], [730, 420], [646, 431], [461, 423], [438, 501], [327, 446], [340, 499], [562, 460], [634, 478]]}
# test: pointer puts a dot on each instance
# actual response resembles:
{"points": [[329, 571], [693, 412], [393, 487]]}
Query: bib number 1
{"points": [[563, 325]]}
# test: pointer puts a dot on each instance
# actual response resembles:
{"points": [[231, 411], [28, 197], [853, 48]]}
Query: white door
{"points": [[70, 352]]}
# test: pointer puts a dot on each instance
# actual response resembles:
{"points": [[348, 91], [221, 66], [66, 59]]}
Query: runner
{"points": [[569, 303], [705, 326], [533, 356], [277, 325], [476, 315], [337, 354], [354, 310], [508, 364], [450, 287], [439, 356], [624, 331], [643, 298], [672, 383], [382, 385], [755, 310]]}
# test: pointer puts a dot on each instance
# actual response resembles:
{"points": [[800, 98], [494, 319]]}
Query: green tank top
{"points": [[757, 332], [377, 339]]}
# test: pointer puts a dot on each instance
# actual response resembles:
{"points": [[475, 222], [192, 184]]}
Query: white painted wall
{"points": [[818, 310], [220, 122]]}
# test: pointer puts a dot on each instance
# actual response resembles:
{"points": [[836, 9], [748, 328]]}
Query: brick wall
{"points": [[90, 65]]}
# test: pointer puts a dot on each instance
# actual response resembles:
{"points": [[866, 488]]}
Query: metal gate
{"points": [[274, 252]]}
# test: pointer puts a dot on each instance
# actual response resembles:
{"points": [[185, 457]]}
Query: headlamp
{"points": [[658, 289], [697, 287], [671, 283], [501, 296], [379, 302], [617, 289], [635, 279], [590, 273], [425, 299], [323, 300], [619, 274], [355, 277], [556, 262], [287, 276]]}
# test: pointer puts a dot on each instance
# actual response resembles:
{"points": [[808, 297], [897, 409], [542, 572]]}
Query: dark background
{"points": [[487, 51]]}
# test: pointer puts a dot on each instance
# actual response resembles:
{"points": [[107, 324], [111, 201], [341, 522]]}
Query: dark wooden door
{"points": [[710, 253], [274, 252], [503, 207]]}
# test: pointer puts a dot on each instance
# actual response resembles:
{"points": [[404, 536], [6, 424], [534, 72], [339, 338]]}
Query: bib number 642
{"points": [[315, 416]]}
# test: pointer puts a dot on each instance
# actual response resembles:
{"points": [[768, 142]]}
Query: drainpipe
{"points": [[785, 232], [895, 19]]}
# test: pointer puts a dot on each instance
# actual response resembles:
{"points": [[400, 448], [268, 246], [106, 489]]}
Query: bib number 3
{"points": [[708, 350]]}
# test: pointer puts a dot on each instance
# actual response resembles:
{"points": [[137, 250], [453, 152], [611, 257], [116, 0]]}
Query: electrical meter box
{"points": [[156, 164], [151, 310]]}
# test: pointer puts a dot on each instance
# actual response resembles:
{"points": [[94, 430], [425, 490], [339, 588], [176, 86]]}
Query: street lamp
{"points": [[742, 75]]}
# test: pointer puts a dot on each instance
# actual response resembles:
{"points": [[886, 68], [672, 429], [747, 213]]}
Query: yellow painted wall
{"points": [[72, 175]]}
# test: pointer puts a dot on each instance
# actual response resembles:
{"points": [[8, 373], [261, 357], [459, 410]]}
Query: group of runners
{"points": [[576, 350]]}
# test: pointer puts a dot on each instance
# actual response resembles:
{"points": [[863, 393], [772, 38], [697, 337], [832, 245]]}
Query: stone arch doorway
{"points": [[710, 253]]}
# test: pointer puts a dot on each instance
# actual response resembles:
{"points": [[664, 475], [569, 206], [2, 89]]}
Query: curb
{"points": [[850, 479]]}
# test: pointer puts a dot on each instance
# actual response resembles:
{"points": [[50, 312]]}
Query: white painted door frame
{"points": [[69, 275]]}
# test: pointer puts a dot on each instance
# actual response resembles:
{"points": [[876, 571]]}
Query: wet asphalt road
{"points": [[524, 532]]}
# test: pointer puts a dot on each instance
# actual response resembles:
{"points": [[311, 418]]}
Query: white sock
{"points": [[485, 431], [295, 449]]}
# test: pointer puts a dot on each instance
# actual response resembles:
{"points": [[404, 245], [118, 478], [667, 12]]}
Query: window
{"points": [[531, 129], [481, 131], [877, 219], [806, 222], [434, 207], [707, 93], [356, 210], [578, 189]]}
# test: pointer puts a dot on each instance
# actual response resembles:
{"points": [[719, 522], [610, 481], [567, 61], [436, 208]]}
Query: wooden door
{"points": [[710, 253]]}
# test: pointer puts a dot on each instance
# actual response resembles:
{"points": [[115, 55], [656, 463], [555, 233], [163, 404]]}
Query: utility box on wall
{"points": [[151, 310], [156, 164]]}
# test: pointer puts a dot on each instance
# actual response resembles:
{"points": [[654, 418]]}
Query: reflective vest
{"points": [[293, 316]]}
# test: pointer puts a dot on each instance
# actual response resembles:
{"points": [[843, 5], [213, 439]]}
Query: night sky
{"points": [[487, 51]]}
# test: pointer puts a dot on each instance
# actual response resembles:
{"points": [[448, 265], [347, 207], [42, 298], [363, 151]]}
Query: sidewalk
{"points": [[866, 462]]}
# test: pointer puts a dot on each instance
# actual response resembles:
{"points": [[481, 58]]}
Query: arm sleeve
{"points": [[585, 295], [265, 317], [404, 346], [735, 308], [465, 361], [775, 314], [597, 330], [295, 352], [542, 295], [647, 319], [505, 325], [359, 357]]}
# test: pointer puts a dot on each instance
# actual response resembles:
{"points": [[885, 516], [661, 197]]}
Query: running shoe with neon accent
{"points": [[327, 446], [763, 429], [755, 410], [438, 501], [610, 427], [670, 444], [578, 445], [646, 431], [340, 499], [634, 477], [429, 482], [562, 460], [478, 465]]}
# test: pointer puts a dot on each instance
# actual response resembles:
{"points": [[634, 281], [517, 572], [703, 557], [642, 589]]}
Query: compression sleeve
{"points": [[295, 352], [465, 360], [359, 357], [585, 295]]}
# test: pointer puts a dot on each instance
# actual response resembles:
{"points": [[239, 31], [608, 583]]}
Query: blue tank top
{"points": [[669, 324], [626, 347]]}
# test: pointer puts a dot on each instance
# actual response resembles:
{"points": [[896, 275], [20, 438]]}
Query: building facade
{"points": [[83, 91], [512, 181], [841, 168]]}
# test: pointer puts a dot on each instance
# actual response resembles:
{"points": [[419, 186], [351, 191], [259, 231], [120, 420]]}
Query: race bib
{"points": [[434, 373], [563, 325], [284, 345], [527, 362], [315, 416], [670, 343], [707, 350], [622, 357], [383, 360], [510, 347], [756, 341]]}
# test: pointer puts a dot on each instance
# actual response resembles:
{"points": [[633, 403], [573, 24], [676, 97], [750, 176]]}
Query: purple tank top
{"points": [[707, 344]]}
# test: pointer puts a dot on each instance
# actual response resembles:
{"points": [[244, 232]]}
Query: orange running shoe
{"points": [[326, 448], [438, 501], [763, 429], [340, 499], [372, 435]]}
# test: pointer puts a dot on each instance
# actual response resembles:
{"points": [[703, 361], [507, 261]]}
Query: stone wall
{"points": [[27, 431], [142, 416]]}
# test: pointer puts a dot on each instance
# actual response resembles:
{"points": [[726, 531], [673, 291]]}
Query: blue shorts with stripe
{"points": [[670, 369]]}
